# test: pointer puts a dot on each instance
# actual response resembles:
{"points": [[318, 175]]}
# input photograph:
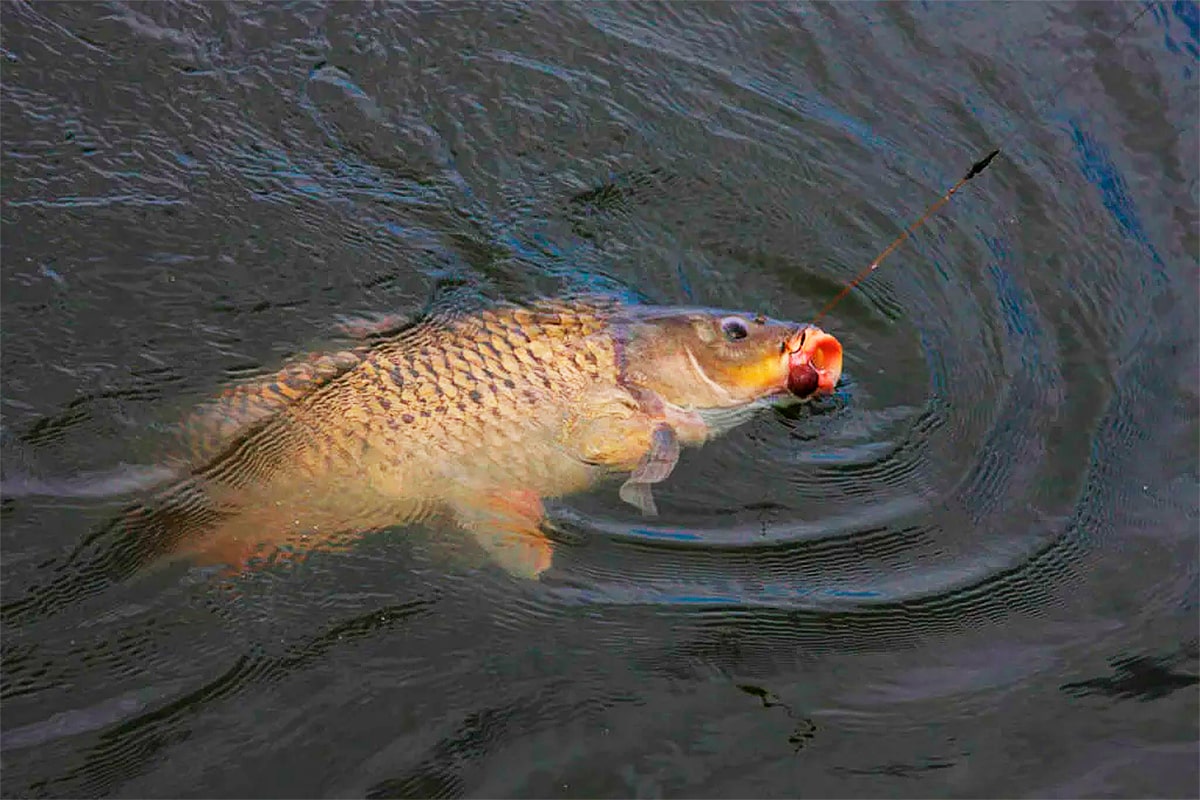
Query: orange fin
{"points": [[239, 558], [255, 540], [508, 527]]}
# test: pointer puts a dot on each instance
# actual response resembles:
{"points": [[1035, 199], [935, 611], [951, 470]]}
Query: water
{"points": [[972, 572]]}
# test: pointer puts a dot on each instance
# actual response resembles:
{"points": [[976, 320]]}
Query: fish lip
{"points": [[811, 345]]}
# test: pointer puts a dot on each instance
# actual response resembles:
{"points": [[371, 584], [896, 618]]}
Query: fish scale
{"points": [[412, 403], [480, 415]]}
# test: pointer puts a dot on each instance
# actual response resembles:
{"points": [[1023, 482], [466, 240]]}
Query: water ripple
{"points": [[994, 512]]}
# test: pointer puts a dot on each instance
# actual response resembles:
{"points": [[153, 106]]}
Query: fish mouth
{"points": [[814, 362]]}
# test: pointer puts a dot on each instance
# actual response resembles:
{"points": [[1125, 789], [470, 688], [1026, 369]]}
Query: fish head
{"points": [[706, 359]]}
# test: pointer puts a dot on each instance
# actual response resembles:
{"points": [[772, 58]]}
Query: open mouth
{"points": [[814, 362]]}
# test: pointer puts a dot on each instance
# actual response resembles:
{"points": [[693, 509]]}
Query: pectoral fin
{"points": [[615, 429], [656, 466]]}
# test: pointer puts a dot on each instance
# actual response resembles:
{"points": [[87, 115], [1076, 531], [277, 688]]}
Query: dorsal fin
{"points": [[369, 327]]}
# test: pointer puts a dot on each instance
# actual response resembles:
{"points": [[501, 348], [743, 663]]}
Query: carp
{"points": [[478, 417]]}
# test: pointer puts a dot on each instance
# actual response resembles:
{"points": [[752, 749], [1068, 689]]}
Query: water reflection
{"points": [[958, 569]]}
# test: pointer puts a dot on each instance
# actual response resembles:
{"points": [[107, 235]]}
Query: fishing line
{"points": [[976, 168]]}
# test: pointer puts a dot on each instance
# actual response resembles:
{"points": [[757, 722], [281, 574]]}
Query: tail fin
{"points": [[141, 534]]}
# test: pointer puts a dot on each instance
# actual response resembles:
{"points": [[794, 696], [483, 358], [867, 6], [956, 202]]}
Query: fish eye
{"points": [[734, 328]]}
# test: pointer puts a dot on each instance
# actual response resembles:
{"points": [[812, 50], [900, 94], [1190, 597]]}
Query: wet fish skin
{"points": [[478, 416]]}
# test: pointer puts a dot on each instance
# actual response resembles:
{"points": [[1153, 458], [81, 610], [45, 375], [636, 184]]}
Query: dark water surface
{"points": [[972, 572]]}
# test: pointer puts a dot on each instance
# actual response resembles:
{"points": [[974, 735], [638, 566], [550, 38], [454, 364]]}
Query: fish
{"points": [[477, 416]]}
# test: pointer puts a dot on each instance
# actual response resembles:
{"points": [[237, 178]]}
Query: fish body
{"points": [[478, 417]]}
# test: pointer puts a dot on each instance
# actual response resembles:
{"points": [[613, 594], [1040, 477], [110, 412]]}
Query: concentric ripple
{"points": [[987, 531], [912, 483]]}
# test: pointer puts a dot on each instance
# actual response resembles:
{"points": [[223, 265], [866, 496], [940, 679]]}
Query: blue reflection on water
{"points": [[1098, 167], [685, 536]]}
